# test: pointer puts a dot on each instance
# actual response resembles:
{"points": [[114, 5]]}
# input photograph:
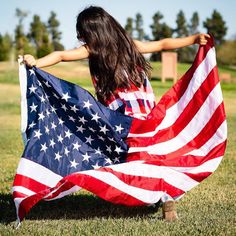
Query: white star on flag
{"points": [[87, 104], [95, 117], [73, 108], [33, 107], [82, 120], [46, 129], [32, 89], [86, 157], [43, 147], [96, 166], [53, 125], [41, 116], [58, 156], [37, 134], [76, 146], [31, 125], [119, 128], [63, 106], [74, 163], [89, 140], [98, 151], [103, 129], [42, 99], [66, 151], [65, 96], [52, 143], [68, 134], [118, 150], [60, 139], [60, 121], [80, 129]]}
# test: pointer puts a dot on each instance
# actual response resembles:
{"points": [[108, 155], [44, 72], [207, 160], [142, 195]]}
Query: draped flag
{"points": [[72, 141]]}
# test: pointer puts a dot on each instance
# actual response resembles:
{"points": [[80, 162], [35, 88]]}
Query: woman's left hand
{"points": [[201, 39]]}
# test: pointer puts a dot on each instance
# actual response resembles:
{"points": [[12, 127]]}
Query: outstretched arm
{"points": [[171, 43], [56, 57]]}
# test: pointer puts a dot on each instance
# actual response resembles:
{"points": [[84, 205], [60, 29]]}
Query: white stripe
{"points": [[172, 177], [37, 172], [23, 190], [219, 137], [17, 202], [63, 193], [143, 195], [190, 131], [173, 112], [208, 166], [133, 96], [23, 89]]}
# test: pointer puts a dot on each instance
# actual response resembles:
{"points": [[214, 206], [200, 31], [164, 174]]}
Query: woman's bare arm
{"points": [[171, 43], [56, 57]]}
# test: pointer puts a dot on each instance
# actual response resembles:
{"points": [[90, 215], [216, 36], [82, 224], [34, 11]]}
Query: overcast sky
{"points": [[68, 10]]}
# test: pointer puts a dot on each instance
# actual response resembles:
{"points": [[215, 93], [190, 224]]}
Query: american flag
{"points": [[72, 141]]}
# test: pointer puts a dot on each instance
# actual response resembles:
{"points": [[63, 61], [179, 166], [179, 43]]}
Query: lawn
{"points": [[209, 209]]}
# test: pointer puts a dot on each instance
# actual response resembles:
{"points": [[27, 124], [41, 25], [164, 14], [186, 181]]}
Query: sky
{"points": [[68, 10]]}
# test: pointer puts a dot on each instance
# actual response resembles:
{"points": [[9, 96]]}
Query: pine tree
{"points": [[156, 26], [184, 54], [194, 23], [129, 26], [53, 25], [216, 26], [139, 26], [39, 35], [159, 31]]}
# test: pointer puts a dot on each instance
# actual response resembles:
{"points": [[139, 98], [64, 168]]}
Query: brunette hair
{"points": [[114, 60]]}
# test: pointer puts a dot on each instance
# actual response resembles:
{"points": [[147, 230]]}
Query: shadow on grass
{"points": [[80, 206]]}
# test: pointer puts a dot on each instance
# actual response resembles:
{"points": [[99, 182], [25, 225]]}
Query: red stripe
{"points": [[29, 183], [199, 176], [183, 161]]}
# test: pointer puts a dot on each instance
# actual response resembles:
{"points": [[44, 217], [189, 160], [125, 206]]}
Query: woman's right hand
{"points": [[29, 60]]}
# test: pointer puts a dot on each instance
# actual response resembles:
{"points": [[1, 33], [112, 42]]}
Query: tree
{"points": [[181, 29], [156, 26], [184, 54], [6, 44], [22, 44], [216, 26], [39, 35], [159, 31], [53, 25], [129, 26], [139, 26], [194, 23]]}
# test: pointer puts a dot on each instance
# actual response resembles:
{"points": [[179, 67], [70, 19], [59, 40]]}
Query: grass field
{"points": [[209, 209]]}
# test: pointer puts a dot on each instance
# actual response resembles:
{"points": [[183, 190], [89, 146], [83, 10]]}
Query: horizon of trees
{"points": [[44, 37]]}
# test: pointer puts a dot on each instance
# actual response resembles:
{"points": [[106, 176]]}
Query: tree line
{"points": [[160, 30], [44, 37]]}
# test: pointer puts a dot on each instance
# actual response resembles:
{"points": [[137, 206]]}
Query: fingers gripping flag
{"points": [[72, 141]]}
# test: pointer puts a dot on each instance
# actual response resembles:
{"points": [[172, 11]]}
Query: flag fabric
{"points": [[72, 141]]}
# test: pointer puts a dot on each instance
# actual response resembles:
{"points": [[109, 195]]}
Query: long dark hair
{"points": [[114, 60]]}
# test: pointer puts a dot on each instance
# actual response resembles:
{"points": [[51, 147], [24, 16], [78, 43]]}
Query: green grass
{"points": [[208, 209]]}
